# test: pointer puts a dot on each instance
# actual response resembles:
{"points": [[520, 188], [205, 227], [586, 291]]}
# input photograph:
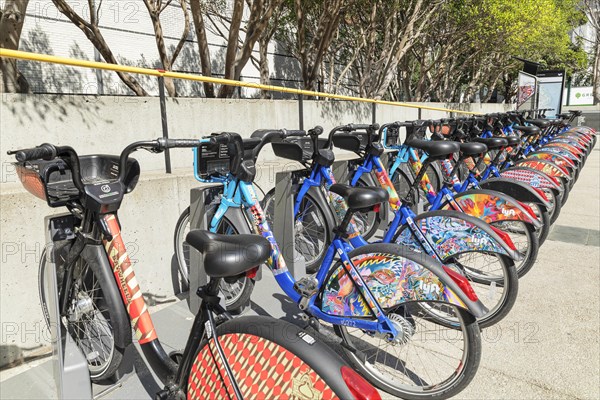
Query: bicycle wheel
{"points": [[367, 222], [272, 359], [427, 359], [92, 320], [525, 240], [544, 218], [402, 184], [237, 294], [494, 280], [311, 232], [555, 205]]}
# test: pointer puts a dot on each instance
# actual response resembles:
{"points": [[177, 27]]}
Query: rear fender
{"points": [[492, 206], [572, 154], [454, 232], [533, 178], [393, 279], [554, 157], [547, 167], [579, 143], [518, 190], [330, 216]]}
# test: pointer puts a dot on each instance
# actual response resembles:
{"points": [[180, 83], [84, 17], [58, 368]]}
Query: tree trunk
{"points": [[203, 49], [232, 47], [265, 78], [12, 18], [162, 52], [92, 32]]}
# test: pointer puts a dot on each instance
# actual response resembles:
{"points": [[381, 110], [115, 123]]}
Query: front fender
{"points": [[395, 275], [453, 232], [516, 189], [492, 206]]}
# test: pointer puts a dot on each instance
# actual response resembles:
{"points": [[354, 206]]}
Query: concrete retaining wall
{"points": [[149, 214]]}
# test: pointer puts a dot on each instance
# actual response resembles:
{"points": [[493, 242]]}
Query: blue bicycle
{"points": [[387, 303], [472, 248]]}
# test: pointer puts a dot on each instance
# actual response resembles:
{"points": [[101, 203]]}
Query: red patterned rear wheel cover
{"points": [[262, 370]]}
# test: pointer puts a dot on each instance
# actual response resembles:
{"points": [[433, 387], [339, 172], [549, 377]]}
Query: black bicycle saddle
{"points": [[229, 255], [513, 140], [360, 198], [435, 148], [472, 148], [492, 143], [527, 130]]}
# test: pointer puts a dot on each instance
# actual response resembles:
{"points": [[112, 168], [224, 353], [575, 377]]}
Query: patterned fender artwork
{"points": [[555, 158], [573, 141], [451, 236], [571, 154], [448, 167], [391, 279], [386, 183], [276, 374], [130, 290], [532, 178], [489, 208], [544, 167], [425, 183]]}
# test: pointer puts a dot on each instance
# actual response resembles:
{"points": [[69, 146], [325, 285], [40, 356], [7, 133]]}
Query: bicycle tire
{"points": [[357, 351], [371, 219], [313, 264], [269, 358], [486, 285], [234, 304], [402, 184], [118, 325], [544, 219], [525, 265]]}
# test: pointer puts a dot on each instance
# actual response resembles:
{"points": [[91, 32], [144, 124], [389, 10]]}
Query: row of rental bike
{"points": [[410, 249]]}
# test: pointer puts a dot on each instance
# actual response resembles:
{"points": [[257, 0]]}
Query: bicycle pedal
{"points": [[306, 286]]}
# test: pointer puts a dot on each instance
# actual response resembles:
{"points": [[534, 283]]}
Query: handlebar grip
{"points": [[399, 124], [220, 138], [174, 143], [289, 133], [45, 151], [356, 127]]}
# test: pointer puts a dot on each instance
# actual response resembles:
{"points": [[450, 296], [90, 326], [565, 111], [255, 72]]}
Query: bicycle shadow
{"points": [[290, 310], [133, 365]]}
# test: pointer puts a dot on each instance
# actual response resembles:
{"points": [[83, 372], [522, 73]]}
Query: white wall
{"points": [[123, 23], [107, 125]]}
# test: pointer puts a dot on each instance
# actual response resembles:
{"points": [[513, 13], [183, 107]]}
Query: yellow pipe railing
{"points": [[23, 55]]}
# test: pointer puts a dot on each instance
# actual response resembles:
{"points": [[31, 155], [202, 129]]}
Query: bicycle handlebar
{"points": [[49, 152], [45, 151]]}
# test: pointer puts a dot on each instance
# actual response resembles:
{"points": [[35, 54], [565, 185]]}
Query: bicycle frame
{"points": [[240, 194]]}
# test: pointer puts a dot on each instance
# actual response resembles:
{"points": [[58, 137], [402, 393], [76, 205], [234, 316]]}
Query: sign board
{"points": [[579, 96], [550, 91], [526, 91]]}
